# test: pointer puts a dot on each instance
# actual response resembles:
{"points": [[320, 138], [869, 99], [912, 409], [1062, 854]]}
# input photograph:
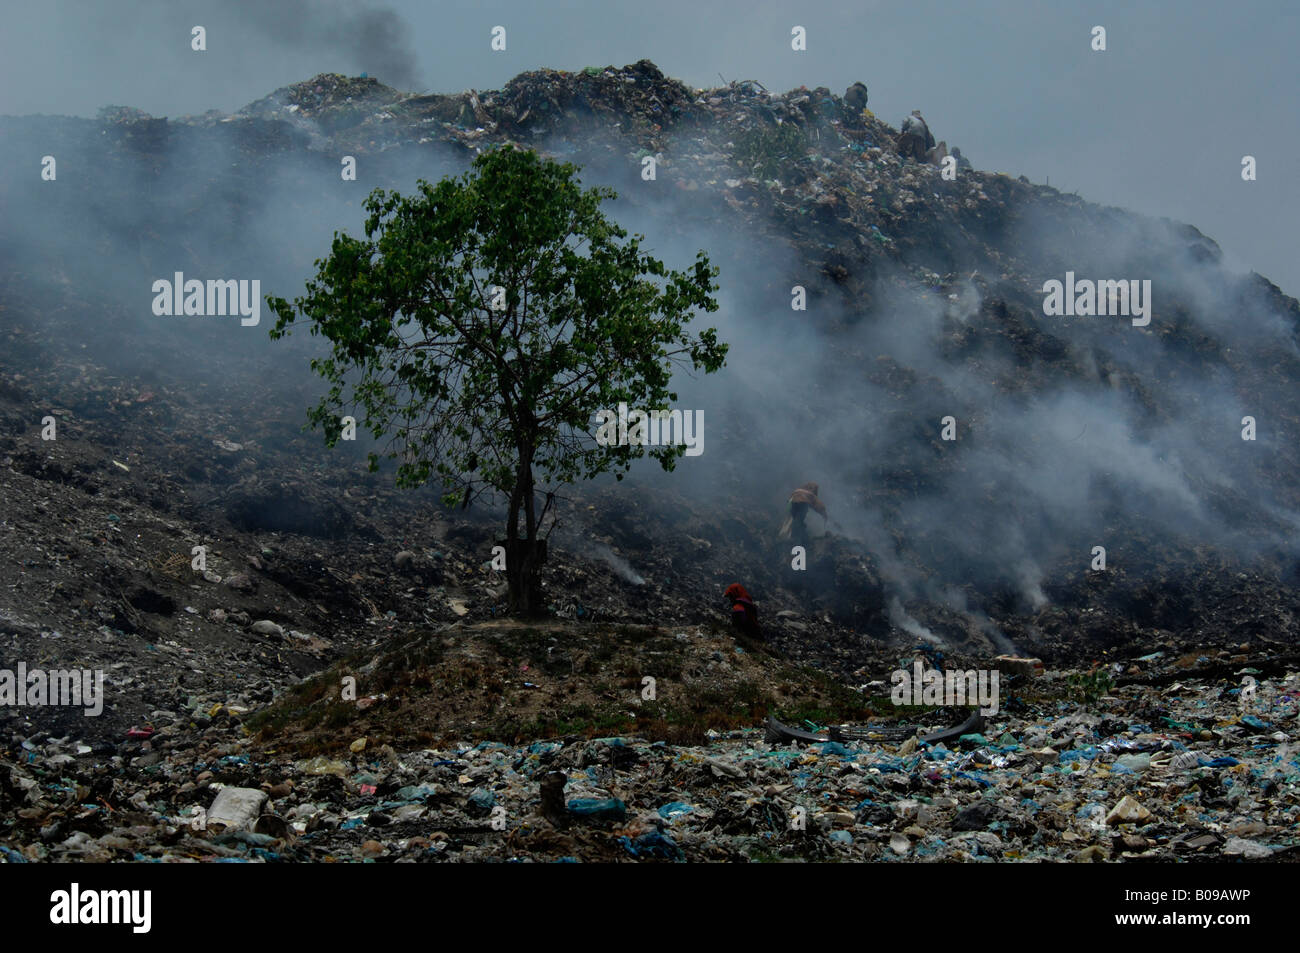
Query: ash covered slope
{"points": [[924, 302]]}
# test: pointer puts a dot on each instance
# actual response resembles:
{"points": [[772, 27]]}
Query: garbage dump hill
{"points": [[924, 300]]}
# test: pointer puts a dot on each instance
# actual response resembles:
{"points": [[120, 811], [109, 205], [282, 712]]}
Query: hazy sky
{"points": [[1158, 123]]}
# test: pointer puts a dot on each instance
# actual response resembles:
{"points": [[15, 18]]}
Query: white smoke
{"points": [[617, 563]]}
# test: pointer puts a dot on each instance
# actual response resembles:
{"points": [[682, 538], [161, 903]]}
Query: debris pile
{"points": [[818, 159], [327, 94], [1191, 770]]}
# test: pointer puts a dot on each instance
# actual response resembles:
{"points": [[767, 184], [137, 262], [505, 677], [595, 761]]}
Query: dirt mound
{"points": [[511, 681]]}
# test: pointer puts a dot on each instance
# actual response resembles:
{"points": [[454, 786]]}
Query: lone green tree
{"points": [[480, 326]]}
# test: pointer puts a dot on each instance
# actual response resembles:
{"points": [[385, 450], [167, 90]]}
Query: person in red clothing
{"points": [[744, 617]]}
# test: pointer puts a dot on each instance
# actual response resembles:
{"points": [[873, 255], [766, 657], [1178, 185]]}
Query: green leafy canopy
{"points": [[484, 397]]}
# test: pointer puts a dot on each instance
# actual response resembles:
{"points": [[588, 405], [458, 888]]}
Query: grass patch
{"points": [[1089, 686]]}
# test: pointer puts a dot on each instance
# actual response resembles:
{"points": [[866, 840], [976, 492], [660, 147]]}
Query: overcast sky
{"points": [[1158, 122]]}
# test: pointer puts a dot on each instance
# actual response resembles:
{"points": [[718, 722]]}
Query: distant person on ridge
{"points": [[855, 97], [915, 139]]}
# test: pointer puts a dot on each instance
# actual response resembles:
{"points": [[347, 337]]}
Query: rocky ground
{"points": [[1181, 771]]}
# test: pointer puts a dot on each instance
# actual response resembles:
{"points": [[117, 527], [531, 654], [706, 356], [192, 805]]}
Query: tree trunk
{"points": [[524, 557]]}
